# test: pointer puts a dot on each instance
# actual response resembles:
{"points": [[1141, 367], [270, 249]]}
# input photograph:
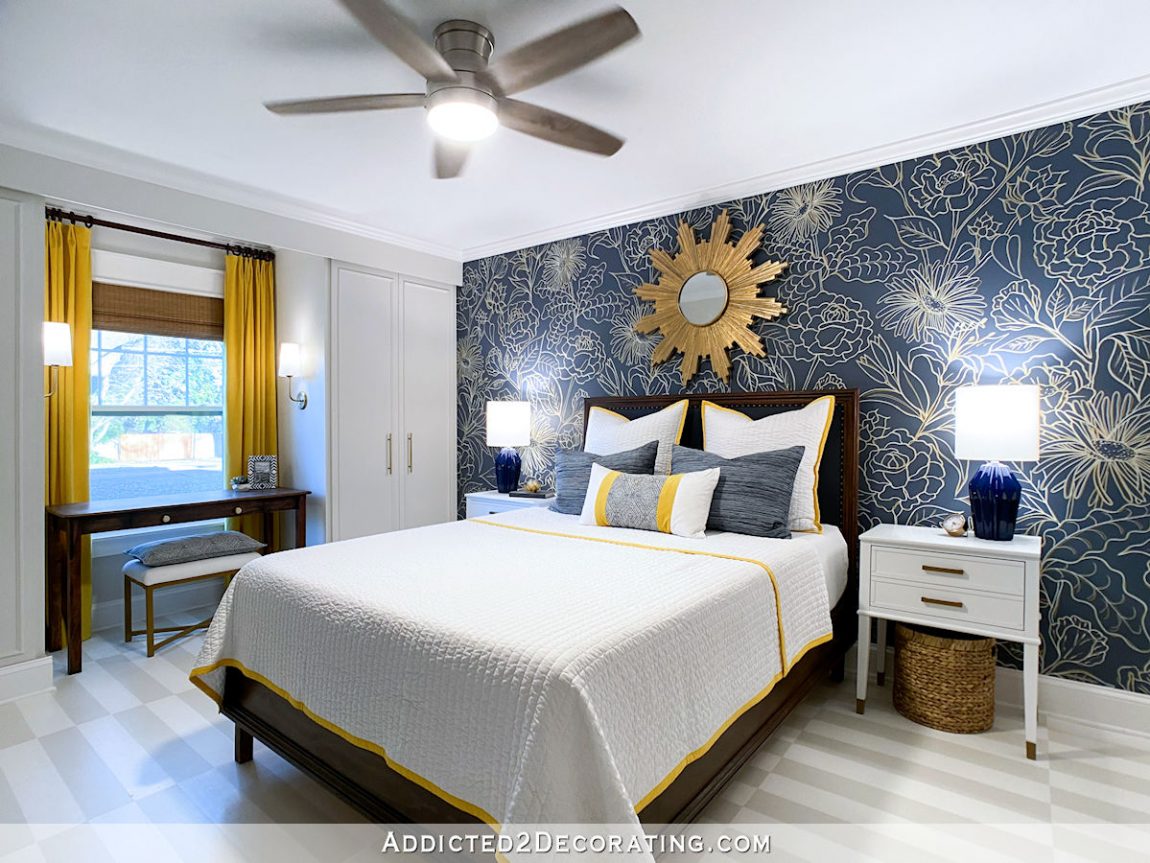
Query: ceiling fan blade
{"points": [[562, 51], [557, 128], [397, 34], [339, 104], [450, 156]]}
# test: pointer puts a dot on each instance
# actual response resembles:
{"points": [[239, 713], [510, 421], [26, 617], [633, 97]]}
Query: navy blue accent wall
{"points": [[1025, 259]]}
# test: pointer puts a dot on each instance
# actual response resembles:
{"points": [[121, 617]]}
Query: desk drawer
{"points": [[956, 606], [949, 571]]}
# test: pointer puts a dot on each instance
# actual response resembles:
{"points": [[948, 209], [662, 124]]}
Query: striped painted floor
{"points": [[130, 741]]}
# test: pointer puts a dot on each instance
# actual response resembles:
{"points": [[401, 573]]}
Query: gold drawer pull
{"points": [[945, 570], [949, 603]]}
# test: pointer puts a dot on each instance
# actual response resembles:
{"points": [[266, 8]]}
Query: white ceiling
{"points": [[716, 99]]}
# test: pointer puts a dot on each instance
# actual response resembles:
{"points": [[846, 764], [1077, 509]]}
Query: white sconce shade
{"points": [[508, 424], [997, 423], [289, 360], [57, 344]]}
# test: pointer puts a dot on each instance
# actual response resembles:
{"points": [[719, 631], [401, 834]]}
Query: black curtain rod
{"points": [[58, 215]]}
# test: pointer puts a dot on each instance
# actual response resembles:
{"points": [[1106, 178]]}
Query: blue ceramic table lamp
{"points": [[996, 424], [508, 426]]}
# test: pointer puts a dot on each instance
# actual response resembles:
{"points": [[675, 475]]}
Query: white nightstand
{"points": [[491, 502], [922, 576]]}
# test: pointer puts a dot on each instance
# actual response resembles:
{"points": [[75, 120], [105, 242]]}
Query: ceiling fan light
{"points": [[462, 121]]}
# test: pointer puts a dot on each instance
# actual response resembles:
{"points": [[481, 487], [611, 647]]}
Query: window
{"points": [[157, 415]]}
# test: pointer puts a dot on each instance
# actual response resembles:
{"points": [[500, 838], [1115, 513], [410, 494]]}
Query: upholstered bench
{"points": [[150, 569]]}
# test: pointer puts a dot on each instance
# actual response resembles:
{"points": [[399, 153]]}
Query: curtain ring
{"points": [[89, 222]]}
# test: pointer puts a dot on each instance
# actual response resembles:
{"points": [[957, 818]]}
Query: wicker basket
{"points": [[944, 680]]}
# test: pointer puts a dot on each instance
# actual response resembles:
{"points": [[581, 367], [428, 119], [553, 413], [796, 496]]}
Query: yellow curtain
{"points": [[249, 357], [68, 298]]}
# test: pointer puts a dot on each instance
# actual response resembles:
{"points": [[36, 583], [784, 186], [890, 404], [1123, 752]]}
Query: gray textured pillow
{"points": [[201, 546], [573, 472], [754, 491]]}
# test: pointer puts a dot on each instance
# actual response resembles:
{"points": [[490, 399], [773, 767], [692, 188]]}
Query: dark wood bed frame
{"points": [[366, 782]]}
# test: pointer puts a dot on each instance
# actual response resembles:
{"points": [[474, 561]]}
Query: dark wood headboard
{"points": [[838, 471]]}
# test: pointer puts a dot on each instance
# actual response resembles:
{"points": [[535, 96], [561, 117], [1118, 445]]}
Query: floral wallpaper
{"points": [[1025, 259]]}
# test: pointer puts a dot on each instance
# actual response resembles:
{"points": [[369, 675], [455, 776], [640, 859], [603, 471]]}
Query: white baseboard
{"points": [[1087, 703], [171, 600], [26, 678]]}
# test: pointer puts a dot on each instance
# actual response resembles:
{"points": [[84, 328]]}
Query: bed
{"points": [[452, 674]]}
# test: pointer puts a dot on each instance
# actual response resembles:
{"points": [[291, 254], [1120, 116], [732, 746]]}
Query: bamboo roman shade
{"points": [[156, 313]]}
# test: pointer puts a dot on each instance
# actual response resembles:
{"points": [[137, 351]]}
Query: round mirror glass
{"points": [[703, 298]]}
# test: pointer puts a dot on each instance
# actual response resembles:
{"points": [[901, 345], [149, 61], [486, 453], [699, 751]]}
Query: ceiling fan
{"points": [[467, 98]]}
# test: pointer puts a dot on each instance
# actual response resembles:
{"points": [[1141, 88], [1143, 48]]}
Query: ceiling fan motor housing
{"points": [[465, 45]]}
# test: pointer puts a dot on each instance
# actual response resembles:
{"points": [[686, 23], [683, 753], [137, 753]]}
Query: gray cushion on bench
{"points": [[200, 546]]}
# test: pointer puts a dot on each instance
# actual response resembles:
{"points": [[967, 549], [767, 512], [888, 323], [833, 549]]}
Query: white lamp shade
{"points": [[289, 360], [997, 423], [57, 344], [508, 423]]}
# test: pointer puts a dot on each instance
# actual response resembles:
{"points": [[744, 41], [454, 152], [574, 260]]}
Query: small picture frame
{"points": [[262, 472]]}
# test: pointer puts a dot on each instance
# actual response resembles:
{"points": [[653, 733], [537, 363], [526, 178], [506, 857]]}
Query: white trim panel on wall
{"points": [[22, 442]]}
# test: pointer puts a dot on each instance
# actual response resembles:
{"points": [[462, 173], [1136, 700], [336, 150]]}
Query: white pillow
{"points": [[730, 434], [678, 503], [608, 432]]}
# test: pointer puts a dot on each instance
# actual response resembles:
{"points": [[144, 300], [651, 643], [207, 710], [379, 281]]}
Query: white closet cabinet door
{"points": [[429, 397], [364, 491]]}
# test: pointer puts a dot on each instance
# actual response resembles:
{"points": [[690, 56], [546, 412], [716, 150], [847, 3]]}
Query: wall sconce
{"points": [[57, 351], [290, 368]]}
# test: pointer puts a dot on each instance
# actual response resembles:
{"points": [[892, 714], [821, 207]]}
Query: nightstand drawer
{"points": [[949, 571], [476, 509], [955, 606]]}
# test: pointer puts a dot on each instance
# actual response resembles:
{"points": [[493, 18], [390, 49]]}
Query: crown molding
{"points": [[1060, 110], [101, 157], [90, 154]]}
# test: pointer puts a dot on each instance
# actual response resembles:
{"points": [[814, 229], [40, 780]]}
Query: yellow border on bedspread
{"points": [[470, 808], [375, 748], [696, 754]]}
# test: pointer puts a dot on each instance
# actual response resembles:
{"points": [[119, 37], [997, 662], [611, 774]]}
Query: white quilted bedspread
{"points": [[527, 677]]}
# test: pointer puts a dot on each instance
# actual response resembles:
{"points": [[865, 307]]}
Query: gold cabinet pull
{"points": [[409, 455], [945, 570], [389, 454], [949, 603]]}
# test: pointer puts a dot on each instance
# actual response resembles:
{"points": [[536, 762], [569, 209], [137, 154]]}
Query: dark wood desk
{"points": [[65, 524]]}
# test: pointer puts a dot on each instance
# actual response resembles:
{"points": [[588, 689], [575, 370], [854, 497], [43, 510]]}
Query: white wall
{"points": [[302, 251], [84, 187], [302, 317], [23, 667]]}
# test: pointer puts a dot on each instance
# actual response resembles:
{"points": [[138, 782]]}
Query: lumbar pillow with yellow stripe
{"points": [[678, 503]]}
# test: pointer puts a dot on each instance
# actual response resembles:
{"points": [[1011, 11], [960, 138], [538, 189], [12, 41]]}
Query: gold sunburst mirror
{"points": [[707, 296]]}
